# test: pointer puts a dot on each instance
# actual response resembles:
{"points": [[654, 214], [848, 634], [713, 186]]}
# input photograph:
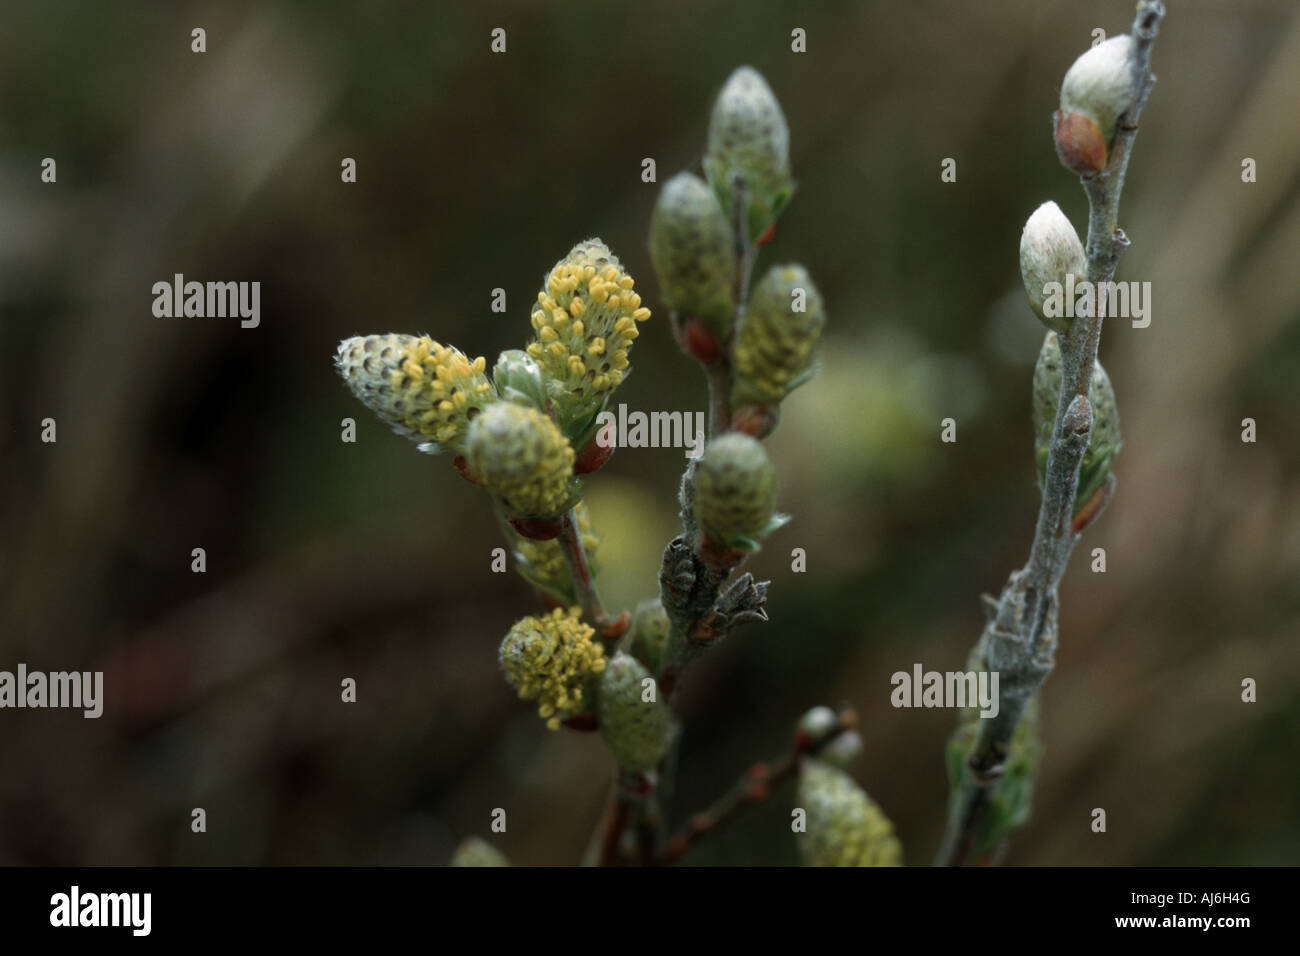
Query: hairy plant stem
{"points": [[1020, 637], [689, 585], [753, 787]]}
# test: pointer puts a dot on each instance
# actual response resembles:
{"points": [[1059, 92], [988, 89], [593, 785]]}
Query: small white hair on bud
{"points": [[1049, 250], [1100, 83]]}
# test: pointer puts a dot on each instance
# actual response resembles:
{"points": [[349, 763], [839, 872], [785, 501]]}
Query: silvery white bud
{"points": [[1049, 250], [1100, 83], [1097, 90]]}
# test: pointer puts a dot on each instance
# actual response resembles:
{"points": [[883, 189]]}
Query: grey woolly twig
{"points": [[1020, 637]]}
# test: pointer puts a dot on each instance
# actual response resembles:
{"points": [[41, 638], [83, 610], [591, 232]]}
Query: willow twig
{"points": [[1019, 640]]}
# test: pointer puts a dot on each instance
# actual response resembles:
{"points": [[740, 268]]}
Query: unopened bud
{"points": [[735, 490], [475, 851], [845, 826], [1050, 250], [522, 459], [694, 253], [783, 321], [1105, 440], [1097, 90], [634, 719], [749, 138]]}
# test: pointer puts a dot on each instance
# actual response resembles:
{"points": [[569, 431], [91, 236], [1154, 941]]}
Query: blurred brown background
{"points": [[328, 560]]}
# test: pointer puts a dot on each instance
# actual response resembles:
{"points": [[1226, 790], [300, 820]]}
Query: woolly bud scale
{"points": [[553, 660], [748, 136], [735, 488], [783, 321], [1050, 250], [522, 459], [845, 826], [1105, 441], [425, 391], [1095, 93], [694, 253], [636, 729]]}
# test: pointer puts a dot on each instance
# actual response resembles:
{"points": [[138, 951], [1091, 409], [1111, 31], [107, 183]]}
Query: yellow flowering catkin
{"points": [[782, 324], [845, 827], [585, 321], [424, 390], [553, 660], [521, 458]]}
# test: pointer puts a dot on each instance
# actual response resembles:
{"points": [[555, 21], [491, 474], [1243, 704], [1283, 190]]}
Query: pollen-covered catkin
{"points": [[424, 390]]}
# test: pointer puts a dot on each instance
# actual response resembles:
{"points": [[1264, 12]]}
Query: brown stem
{"points": [[584, 588], [754, 786]]}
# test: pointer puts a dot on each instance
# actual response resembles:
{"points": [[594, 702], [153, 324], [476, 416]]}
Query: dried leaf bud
{"points": [[1105, 441], [694, 253], [520, 457], [585, 321], [735, 490], [1050, 250], [554, 661], [774, 349], [633, 718], [475, 851], [1096, 92], [748, 136], [423, 390], [845, 826]]}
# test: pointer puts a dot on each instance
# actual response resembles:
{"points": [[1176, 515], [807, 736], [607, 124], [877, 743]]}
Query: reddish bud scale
{"points": [[767, 235], [538, 529], [594, 454], [581, 722], [699, 342], [462, 466], [1079, 143], [717, 555], [757, 421], [1094, 506], [613, 630]]}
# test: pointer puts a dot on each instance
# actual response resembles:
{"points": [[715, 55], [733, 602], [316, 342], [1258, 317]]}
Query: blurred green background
{"points": [[329, 560]]}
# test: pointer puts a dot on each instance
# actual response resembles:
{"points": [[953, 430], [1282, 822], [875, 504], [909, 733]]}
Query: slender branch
{"points": [[584, 588], [629, 804], [753, 787], [1019, 640], [719, 378]]}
